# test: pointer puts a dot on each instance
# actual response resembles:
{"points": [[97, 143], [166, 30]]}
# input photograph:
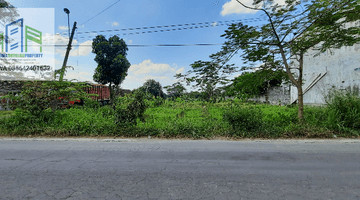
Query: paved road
{"points": [[179, 169]]}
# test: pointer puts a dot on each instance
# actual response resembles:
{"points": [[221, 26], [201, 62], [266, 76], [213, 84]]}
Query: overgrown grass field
{"points": [[194, 119]]}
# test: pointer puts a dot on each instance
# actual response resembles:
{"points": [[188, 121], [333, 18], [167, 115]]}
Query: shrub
{"points": [[93, 104], [343, 109], [247, 119], [129, 108]]}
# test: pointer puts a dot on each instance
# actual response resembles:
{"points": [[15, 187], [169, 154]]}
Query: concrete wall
{"points": [[342, 68], [276, 95]]}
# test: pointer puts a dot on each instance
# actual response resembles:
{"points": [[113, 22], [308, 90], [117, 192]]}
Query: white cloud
{"points": [[130, 41], [84, 49], [181, 70], [63, 27], [115, 24], [234, 7], [149, 67], [214, 24]]}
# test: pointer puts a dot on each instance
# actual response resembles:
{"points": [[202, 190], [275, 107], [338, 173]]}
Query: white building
{"points": [[339, 70]]}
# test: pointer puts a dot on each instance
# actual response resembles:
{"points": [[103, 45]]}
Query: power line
{"points": [[167, 28], [137, 45], [101, 12]]}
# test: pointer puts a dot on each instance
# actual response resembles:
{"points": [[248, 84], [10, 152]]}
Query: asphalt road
{"points": [[179, 169]]}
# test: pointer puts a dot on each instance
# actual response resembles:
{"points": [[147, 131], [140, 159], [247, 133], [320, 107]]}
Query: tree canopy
{"points": [[153, 87], [250, 84], [111, 59], [175, 90], [207, 75], [292, 30]]}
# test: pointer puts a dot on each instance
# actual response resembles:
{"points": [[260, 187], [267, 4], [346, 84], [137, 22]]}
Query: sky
{"points": [[105, 17]]}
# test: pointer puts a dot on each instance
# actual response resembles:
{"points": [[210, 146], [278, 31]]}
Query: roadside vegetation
{"points": [[148, 111], [141, 114]]}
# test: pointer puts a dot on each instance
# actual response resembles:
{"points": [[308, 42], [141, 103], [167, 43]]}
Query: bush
{"points": [[343, 109], [129, 108], [93, 104], [246, 119]]}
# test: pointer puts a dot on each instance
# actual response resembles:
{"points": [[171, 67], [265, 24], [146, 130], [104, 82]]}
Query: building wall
{"points": [[340, 66], [276, 95]]}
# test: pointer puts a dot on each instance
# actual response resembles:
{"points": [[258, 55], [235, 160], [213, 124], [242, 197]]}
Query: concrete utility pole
{"points": [[62, 71]]}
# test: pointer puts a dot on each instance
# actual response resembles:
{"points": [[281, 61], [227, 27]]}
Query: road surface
{"points": [[179, 169]]}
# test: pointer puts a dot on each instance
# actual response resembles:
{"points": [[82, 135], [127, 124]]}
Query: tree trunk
{"points": [[300, 104], [300, 91]]}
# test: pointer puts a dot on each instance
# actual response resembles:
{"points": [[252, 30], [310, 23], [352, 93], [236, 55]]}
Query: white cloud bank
{"points": [[83, 49], [147, 66], [162, 72], [234, 7]]}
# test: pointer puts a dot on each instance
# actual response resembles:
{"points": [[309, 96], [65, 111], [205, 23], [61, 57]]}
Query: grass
{"points": [[6, 113], [194, 119]]}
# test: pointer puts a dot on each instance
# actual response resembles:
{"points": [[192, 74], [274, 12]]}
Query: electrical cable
{"points": [[139, 45], [167, 28], [100, 12]]}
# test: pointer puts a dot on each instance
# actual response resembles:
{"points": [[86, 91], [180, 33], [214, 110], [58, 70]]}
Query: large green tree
{"points": [[153, 87], [292, 30], [250, 84], [112, 62]]}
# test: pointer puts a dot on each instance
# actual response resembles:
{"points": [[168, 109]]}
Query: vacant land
{"points": [[180, 119]]}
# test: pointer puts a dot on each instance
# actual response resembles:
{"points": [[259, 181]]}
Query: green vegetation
{"points": [[136, 116]]}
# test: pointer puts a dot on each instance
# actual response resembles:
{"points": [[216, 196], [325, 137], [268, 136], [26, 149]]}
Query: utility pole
{"points": [[62, 71]]}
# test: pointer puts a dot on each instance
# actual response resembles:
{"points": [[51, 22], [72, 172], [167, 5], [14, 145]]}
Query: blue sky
{"points": [[154, 62]]}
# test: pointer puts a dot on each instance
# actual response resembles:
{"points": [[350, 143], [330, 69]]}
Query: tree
{"points": [[207, 75], [250, 84], [8, 13], [112, 62], [319, 25], [153, 87], [175, 90]]}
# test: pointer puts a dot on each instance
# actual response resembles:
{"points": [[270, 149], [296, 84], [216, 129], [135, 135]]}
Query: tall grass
{"points": [[194, 119]]}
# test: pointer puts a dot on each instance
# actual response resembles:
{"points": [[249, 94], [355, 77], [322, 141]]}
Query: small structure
{"points": [[276, 95]]}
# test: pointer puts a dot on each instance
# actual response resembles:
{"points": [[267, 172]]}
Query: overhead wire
{"points": [[100, 12], [167, 28]]}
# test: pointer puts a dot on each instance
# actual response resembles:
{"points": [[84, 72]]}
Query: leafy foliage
{"points": [[37, 96], [175, 90], [153, 87], [250, 84], [191, 119], [207, 75], [111, 59], [344, 110], [244, 120], [129, 108], [291, 32]]}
